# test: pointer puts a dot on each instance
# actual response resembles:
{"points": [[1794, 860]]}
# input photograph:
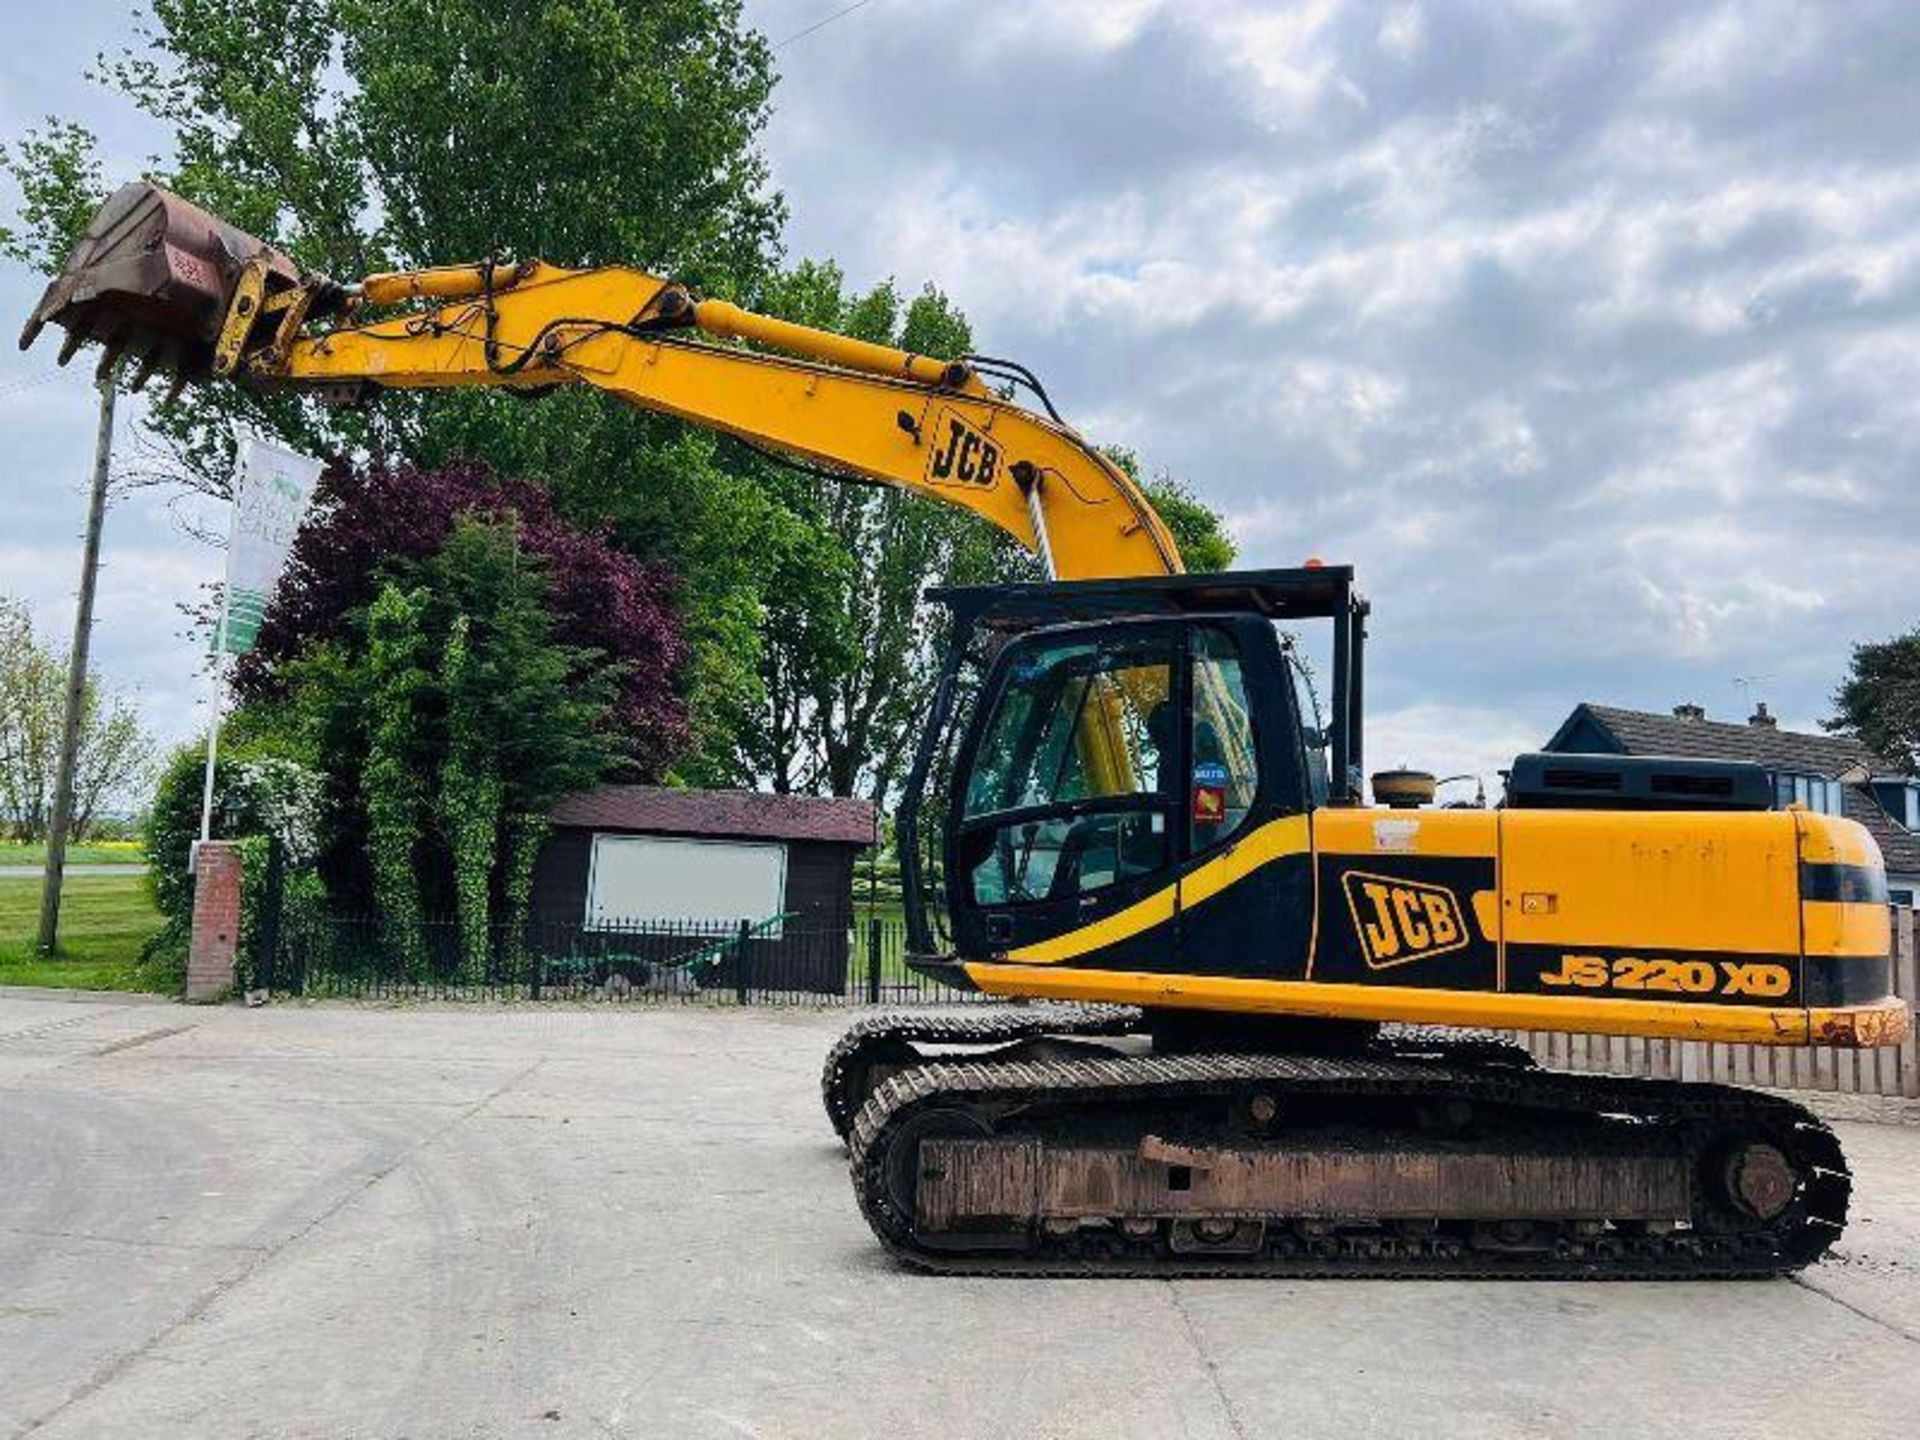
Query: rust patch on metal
{"points": [[153, 275], [976, 1182], [973, 1182], [1866, 1028], [1761, 1180]]}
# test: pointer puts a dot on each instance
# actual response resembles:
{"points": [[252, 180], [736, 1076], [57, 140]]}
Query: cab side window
{"points": [[1223, 765], [1078, 724]]}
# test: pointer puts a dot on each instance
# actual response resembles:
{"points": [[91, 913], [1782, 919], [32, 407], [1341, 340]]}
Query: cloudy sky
{"points": [[1590, 334]]}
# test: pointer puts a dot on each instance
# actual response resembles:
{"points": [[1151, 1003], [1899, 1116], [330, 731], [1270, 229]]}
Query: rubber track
{"points": [[1003, 1025], [989, 1025], [1123, 1080]]}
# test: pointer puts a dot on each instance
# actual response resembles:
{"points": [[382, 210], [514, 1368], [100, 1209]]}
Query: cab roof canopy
{"points": [[1308, 593]]}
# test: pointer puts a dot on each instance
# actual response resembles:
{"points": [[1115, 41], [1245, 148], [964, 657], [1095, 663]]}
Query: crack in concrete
{"points": [[261, 1258], [130, 1242], [146, 1037], [34, 1032], [1206, 1360], [1889, 1326]]}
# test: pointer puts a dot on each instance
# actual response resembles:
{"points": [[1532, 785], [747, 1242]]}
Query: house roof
{"points": [[734, 814], [1899, 846], [1641, 732]]}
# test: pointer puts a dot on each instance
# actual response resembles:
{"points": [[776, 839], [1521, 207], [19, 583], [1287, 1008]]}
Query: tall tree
{"points": [[1879, 701], [115, 752], [446, 708], [370, 134], [377, 523], [852, 645]]}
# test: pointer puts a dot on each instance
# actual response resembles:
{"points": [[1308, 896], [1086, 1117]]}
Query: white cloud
{"points": [[1453, 739], [1403, 31], [1736, 44]]}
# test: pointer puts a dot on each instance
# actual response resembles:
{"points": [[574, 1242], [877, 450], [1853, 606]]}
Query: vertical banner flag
{"points": [[271, 488], [271, 491]]}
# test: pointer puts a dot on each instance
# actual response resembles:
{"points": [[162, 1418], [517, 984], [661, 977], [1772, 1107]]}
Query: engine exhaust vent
{"points": [[1636, 782]]}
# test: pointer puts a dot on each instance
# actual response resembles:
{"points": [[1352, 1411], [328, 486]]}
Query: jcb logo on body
{"points": [[962, 455], [1402, 920]]}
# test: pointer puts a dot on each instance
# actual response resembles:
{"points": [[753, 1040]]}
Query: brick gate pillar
{"points": [[216, 920]]}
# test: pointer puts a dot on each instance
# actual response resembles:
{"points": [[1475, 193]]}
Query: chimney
{"points": [[1689, 711], [1761, 717]]}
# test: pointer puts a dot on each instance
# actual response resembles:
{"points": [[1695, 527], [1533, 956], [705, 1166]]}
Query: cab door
{"points": [[1246, 893], [1064, 841]]}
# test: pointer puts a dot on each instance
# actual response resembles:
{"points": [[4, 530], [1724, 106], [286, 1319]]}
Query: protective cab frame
{"points": [[985, 619]]}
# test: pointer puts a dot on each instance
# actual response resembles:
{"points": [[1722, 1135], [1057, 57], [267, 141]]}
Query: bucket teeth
{"points": [[158, 274], [152, 359]]}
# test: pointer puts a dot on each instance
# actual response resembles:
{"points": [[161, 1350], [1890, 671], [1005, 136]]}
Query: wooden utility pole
{"points": [[77, 676]]}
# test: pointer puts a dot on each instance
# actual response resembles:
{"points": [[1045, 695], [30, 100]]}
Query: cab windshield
{"points": [[1078, 721]]}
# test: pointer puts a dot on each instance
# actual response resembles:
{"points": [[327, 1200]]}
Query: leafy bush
{"points": [[255, 795]]}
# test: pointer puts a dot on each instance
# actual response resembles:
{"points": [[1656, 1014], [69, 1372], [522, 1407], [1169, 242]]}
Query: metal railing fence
{"points": [[785, 961]]}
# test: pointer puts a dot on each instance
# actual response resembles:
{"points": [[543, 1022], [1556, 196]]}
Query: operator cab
{"points": [[1094, 742]]}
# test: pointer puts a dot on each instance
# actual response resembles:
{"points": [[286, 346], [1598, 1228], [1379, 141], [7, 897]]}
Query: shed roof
{"points": [[735, 814]]}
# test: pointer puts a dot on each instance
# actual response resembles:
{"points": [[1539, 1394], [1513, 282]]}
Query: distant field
{"points": [[99, 852], [104, 920]]}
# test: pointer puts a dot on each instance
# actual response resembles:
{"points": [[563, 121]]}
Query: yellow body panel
{"points": [[1574, 886], [1653, 881], [1830, 840], [1853, 930], [1884, 1022], [1446, 833]]}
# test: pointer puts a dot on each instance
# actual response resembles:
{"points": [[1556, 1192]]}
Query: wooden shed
{"points": [[628, 859]]}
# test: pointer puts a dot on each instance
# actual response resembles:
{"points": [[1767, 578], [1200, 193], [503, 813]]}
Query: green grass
{"points": [[104, 920], [96, 852]]}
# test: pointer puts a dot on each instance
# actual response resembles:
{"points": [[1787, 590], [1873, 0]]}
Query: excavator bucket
{"points": [[156, 278]]}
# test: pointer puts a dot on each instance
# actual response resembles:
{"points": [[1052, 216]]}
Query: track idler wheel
{"points": [[1760, 1180]]}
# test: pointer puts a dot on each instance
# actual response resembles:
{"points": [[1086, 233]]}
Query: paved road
{"points": [[318, 1221]]}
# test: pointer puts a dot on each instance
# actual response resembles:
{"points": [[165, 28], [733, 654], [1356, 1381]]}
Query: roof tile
{"points": [[1644, 733], [737, 814]]}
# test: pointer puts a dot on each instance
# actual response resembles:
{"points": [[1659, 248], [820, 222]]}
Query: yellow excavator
{"points": [[1267, 1051]]}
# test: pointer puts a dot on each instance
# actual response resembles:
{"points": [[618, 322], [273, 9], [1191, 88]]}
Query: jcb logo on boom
{"points": [[962, 455], [1402, 920]]}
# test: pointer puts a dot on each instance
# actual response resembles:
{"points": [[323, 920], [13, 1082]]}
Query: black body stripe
{"points": [[1849, 884], [1847, 980]]}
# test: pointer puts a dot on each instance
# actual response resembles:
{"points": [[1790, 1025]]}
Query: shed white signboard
{"points": [[652, 879]]}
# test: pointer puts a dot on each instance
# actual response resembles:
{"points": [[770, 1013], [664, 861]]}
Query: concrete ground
{"points": [[334, 1221]]}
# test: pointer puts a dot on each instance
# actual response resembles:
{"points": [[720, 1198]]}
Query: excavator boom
{"points": [[173, 288]]}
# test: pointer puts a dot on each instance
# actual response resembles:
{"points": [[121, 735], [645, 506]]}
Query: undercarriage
{"points": [[1063, 1149]]}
